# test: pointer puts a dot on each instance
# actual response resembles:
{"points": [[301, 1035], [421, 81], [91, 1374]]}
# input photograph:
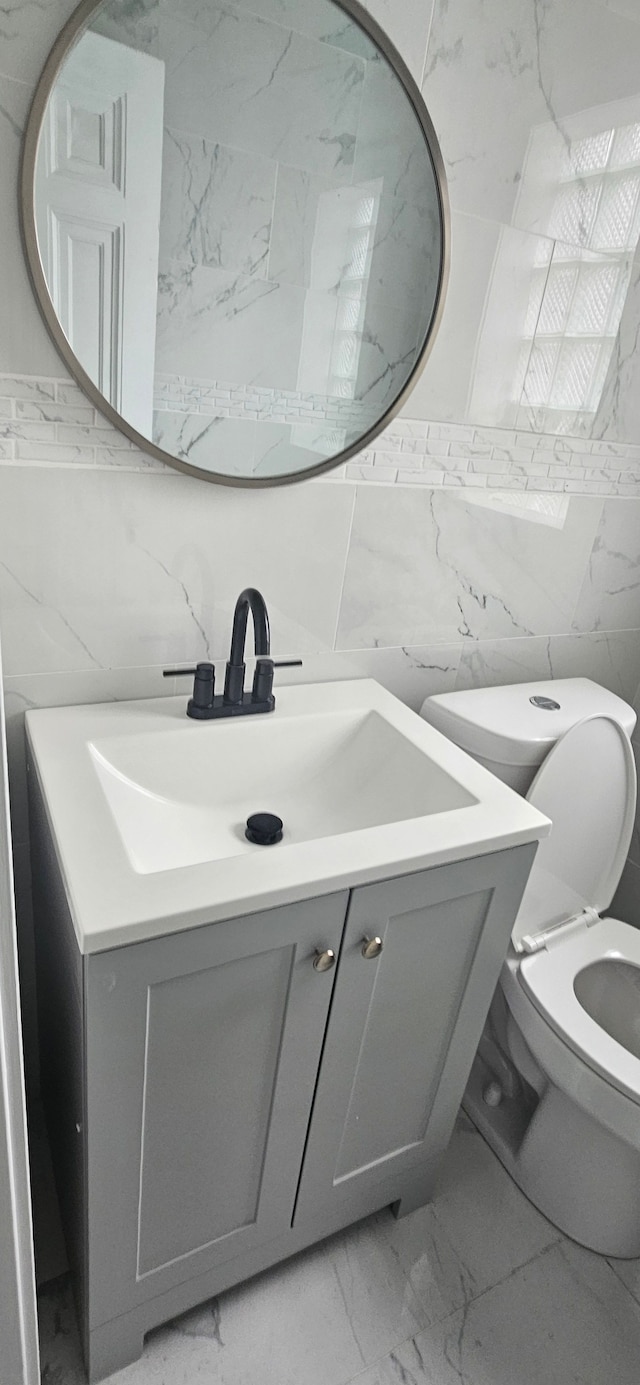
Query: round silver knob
{"points": [[371, 948], [324, 961]]}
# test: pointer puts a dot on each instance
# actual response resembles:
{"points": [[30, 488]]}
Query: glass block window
{"points": [[575, 306]]}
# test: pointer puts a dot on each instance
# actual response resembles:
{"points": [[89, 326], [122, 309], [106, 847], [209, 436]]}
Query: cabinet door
{"points": [[404, 1026], [202, 1056]]}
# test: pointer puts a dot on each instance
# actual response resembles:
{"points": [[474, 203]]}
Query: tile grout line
{"points": [[333, 649], [423, 72], [510, 462], [468, 1303], [467, 643], [614, 1271]]}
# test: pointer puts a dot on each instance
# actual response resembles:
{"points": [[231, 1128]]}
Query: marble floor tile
{"points": [[628, 1271], [337, 1309], [316, 1320], [491, 1225], [559, 1320]]}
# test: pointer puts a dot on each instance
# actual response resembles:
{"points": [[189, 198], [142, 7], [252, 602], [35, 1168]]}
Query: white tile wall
{"points": [[48, 420]]}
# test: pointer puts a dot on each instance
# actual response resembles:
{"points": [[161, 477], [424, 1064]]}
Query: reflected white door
{"points": [[18, 1321], [98, 191]]}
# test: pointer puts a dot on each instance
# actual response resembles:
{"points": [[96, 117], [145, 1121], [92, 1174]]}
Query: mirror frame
{"points": [[55, 62]]}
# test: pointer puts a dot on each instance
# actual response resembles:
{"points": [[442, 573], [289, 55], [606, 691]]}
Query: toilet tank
{"points": [[510, 730]]}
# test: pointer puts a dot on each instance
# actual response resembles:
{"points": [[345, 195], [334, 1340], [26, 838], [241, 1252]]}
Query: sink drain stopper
{"points": [[264, 829]]}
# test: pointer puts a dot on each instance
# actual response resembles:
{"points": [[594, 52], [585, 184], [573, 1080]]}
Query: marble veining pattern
{"points": [[438, 566], [238, 64], [612, 583], [217, 205], [521, 67], [49, 421], [222, 323], [437, 1298]]}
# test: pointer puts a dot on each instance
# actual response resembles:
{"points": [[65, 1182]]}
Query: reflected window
{"points": [[577, 299], [352, 300]]}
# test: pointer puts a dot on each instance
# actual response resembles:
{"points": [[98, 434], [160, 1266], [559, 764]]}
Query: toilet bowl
{"points": [[555, 1086]]}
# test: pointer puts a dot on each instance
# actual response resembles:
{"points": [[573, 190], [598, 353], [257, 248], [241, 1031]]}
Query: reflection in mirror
{"points": [[240, 227], [543, 313]]}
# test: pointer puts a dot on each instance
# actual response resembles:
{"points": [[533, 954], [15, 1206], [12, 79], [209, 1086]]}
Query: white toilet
{"points": [[555, 1086]]}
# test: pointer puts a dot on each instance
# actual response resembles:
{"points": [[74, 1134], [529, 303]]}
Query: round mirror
{"points": [[236, 224]]}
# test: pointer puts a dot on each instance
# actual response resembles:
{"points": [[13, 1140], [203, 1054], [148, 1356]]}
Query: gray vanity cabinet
{"points": [[201, 1060], [404, 1027], [216, 1102]]}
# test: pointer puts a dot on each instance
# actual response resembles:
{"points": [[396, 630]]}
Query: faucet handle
{"points": [[204, 686], [262, 689]]}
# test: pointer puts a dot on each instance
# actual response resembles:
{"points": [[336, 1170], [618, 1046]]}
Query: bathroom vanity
{"points": [[244, 1053]]}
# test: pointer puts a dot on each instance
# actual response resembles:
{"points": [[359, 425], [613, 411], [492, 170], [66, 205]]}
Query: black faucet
{"points": [[248, 600], [235, 702]]}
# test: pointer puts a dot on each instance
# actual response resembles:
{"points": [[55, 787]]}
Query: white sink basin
{"points": [[149, 808], [183, 796]]}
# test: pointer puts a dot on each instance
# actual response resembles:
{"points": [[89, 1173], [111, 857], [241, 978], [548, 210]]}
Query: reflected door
{"points": [[98, 216]]}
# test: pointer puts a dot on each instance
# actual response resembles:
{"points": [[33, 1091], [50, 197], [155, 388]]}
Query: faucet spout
{"points": [[205, 705], [249, 600]]}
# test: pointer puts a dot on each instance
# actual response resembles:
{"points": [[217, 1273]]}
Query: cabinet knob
{"points": [[371, 948], [324, 961]]}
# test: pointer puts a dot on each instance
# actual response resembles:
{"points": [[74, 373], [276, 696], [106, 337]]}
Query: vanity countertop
{"points": [[147, 809]]}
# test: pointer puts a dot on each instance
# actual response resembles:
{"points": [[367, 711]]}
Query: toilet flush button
{"points": [[546, 704]]}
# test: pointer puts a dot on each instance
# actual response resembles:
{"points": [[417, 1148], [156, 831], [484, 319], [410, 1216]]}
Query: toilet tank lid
{"points": [[504, 724]]}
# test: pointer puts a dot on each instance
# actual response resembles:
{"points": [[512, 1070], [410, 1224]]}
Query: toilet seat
{"points": [[587, 786], [548, 977]]}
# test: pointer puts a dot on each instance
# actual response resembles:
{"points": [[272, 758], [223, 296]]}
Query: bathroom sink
{"points": [[183, 796], [149, 808]]}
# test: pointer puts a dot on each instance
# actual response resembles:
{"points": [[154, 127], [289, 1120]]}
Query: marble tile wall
{"points": [[112, 567], [409, 451], [533, 145], [259, 210], [50, 421]]}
